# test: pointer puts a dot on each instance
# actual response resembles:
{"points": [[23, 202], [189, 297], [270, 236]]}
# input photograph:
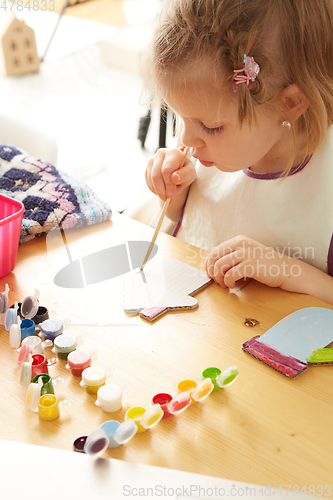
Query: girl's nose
{"points": [[190, 136]]}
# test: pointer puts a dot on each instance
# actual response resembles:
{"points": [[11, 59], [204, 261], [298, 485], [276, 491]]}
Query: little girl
{"points": [[252, 84]]}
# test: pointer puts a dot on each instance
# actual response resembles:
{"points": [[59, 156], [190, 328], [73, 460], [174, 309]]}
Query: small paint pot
{"points": [[203, 390], [25, 377], [33, 395], [179, 403], [163, 399], [51, 328], [221, 380], [136, 413], [4, 300], [34, 343], [187, 386], [212, 373], [96, 443], [47, 384], [109, 398], [40, 364], [15, 334], [152, 417], [93, 378], [64, 344], [228, 376], [30, 305], [24, 355], [79, 443], [48, 407], [11, 317], [28, 328], [42, 315], [77, 361], [118, 433]]}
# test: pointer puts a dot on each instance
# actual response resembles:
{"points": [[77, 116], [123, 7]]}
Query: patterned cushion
{"points": [[50, 196]]}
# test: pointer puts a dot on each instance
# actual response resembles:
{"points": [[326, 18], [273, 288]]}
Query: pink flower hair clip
{"points": [[250, 72]]}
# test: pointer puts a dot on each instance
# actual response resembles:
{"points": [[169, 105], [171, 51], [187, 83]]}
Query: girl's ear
{"points": [[295, 100]]}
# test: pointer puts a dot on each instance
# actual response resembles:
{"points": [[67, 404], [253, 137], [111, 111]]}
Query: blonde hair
{"points": [[291, 40]]}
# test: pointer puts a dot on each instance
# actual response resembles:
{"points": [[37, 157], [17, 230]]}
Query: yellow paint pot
{"points": [[48, 407], [136, 413], [187, 386]]}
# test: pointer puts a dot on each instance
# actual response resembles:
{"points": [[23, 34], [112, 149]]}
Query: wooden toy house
{"points": [[18, 51]]}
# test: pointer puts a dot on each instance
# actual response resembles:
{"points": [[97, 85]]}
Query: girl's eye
{"points": [[211, 131]]}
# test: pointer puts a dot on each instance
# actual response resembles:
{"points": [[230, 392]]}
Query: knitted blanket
{"points": [[50, 196]]}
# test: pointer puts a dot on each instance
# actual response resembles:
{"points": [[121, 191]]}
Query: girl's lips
{"points": [[206, 163]]}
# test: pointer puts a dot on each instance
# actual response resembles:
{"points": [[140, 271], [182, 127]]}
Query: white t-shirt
{"points": [[293, 215]]}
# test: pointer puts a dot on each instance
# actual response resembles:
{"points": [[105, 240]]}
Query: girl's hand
{"points": [[169, 172], [242, 257]]}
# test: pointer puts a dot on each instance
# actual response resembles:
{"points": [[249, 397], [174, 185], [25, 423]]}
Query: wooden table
{"points": [[264, 429]]}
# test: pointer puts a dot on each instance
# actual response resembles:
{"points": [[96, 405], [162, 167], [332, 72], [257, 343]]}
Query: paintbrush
{"points": [[160, 220]]}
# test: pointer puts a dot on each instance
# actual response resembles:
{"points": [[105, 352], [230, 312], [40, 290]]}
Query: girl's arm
{"points": [[311, 281], [243, 257]]}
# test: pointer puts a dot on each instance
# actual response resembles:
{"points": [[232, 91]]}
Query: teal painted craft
{"points": [[295, 341]]}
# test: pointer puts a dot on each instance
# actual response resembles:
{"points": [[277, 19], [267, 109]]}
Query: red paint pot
{"points": [[40, 364], [163, 399]]}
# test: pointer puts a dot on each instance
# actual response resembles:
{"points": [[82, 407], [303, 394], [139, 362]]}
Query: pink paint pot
{"points": [[40, 364], [77, 361], [163, 399], [179, 403]]}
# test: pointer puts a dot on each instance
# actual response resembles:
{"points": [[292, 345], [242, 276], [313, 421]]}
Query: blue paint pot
{"points": [[27, 328]]}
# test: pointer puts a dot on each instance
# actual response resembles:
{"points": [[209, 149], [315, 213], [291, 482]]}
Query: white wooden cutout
{"points": [[167, 285]]}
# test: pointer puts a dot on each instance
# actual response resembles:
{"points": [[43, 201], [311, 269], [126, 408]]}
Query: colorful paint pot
{"points": [[77, 361], [28, 328], [64, 344], [30, 305], [33, 394], [40, 364], [203, 390], [136, 413], [11, 316], [4, 300], [47, 384], [118, 433], [187, 386], [221, 379], [96, 443], [152, 416], [163, 399], [34, 343], [48, 407], [51, 328], [93, 378], [109, 398], [24, 355], [179, 403], [212, 373], [79, 443], [228, 376], [42, 314], [25, 377], [15, 334]]}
